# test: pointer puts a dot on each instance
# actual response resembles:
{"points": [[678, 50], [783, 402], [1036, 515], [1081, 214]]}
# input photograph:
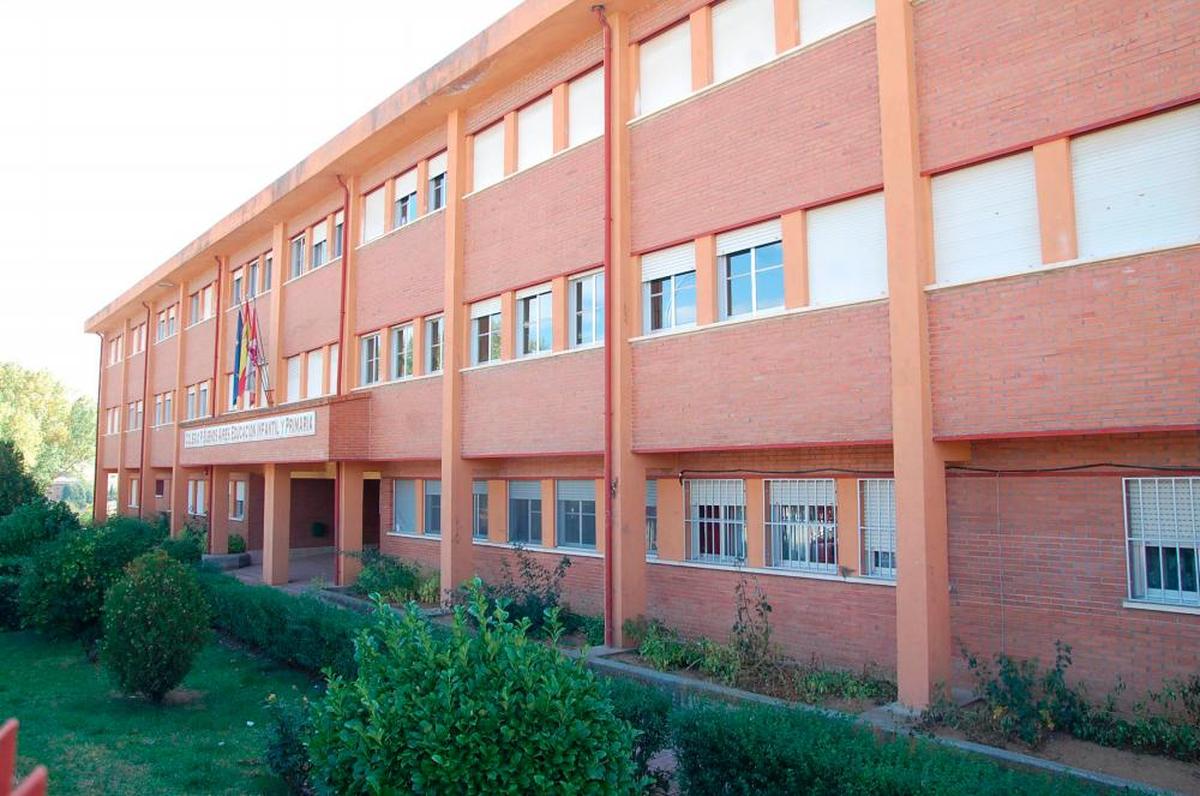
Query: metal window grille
{"points": [[717, 520], [801, 519], [1162, 522], [877, 529]]}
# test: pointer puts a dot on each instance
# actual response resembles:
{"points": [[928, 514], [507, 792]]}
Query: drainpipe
{"points": [[337, 466], [609, 485], [216, 380], [99, 421], [145, 386]]}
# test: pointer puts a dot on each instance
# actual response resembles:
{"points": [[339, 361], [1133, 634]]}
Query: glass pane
{"points": [[685, 298], [1153, 569], [545, 326], [769, 288], [1187, 569]]}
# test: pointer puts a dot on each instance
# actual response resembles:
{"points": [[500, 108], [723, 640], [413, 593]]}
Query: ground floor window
{"points": [[160, 487], [525, 512], [576, 513], [1162, 524], [433, 507], [801, 521], [479, 509], [651, 517], [197, 505], [135, 486], [877, 530], [716, 520], [237, 500], [404, 506]]}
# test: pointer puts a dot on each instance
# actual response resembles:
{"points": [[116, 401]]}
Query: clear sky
{"points": [[129, 127]]}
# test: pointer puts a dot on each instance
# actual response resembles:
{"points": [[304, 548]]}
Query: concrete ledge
{"points": [[227, 561]]}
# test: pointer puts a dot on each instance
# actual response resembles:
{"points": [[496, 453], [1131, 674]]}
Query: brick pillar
{"points": [[218, 516], [348, 535], [277, 520]]}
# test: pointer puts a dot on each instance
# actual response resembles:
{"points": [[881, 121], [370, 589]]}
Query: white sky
{"points": [[129, 127]]}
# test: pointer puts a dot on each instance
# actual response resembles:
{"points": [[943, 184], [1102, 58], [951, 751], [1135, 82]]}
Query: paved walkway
{"points": [[304, 566]]}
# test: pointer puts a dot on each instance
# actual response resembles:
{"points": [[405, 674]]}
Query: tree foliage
{"points": [[53, 432], [16, 485]]}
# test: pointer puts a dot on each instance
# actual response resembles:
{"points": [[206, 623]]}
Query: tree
{"points": [[16, 485], [55, 434]]}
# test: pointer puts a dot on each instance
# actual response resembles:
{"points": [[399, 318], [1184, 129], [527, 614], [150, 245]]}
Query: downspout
{"points": [[339, 565], [609, 486], [145, 386], [99, 421], [219, 286]]}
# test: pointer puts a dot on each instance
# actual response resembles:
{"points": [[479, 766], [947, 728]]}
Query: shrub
{"points": [[155, 622], [394, 580], [429, 588], [815, 684], [287, 754], [10, 584], [758, 749], [647, 710], [237, 544], [33, 523], [592, 627], [532, 591], [471, 713], [16, 484], [63, 587], [188, 548], [298, 630]]}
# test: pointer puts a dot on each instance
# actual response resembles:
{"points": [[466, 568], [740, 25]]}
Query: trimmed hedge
{"points": [[763, 750], [300, 631]]}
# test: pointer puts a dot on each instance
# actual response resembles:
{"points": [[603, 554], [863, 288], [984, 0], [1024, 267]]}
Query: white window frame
{"points": [[529, 506], [431, 492], [752, 241], [403, 357], [578, 335], [237, 499], [877, 527], [297, 251], [404, 205], [535, 317], [368, 353], [574, 511], [800, 516], [436, 196], [479, 509], [397, 485], [651, 518], [1173, 505], [318, 251], [716, 525], [434, 344], [486, 324], [135, 485]]}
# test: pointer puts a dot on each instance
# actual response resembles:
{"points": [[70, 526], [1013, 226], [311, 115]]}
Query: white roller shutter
{"points": [[293, 379], [525, 490], [743, 33], [404, 506], [585, 107], [1137, 186], [437, 165], [651, 493], [716, 492], [489, 156], [316, 374], [479, 487], [802, 492], [985, 220], [847, 251], [535, 133], [576, 490], [433, 486], [320, 231], [664, 69], [482, 309], [749, 237], [668, 262], [373, 215], [406, 183], [821, 18]]}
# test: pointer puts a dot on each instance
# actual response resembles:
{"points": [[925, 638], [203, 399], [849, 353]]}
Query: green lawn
{"points": [[94, 740]]}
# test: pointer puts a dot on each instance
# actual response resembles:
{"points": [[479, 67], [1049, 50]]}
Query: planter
{"points": [[227, 561]]}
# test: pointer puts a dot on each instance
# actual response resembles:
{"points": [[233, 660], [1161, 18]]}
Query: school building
{"points": [[891, 305]]}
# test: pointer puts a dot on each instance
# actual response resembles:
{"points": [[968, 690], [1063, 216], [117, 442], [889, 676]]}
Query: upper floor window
{"points": [[433, 345], [402, 351], [373, 215], [369, 359], [139, 339], [116, 350], [716, 520], [433, 507], [137, 411], [847, 251], [485, 331], [268, 260], [576, 513], [406, 198], [437, 182], [1162, 527], [164, 412], [669, 288], [664, 69], [488, 153], [535, 132], [253, 274], [585, 298], [585, 107], [877, 530], [750, 269], [314, 377], [235, 287], [821, 18], [535, 321], [525, 512], [801, 523], [296, 258], [320, 243], [112, 420], [339, 233], [479, 509], [743, 36], [166, 323], [293, 378], [196, 403], [201, 306]]}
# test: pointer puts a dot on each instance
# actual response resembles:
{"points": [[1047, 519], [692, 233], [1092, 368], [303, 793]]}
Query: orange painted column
{"points": [[457, 565], [560, 105], [419, 504], [218, 517], [787, 25], [498, 511], [706, 280], [418, 325], [178, 479], [508, 325], [599, 515], [277, 519], [756, 528], [422, 187], [923, 654], [549, 514], [795, 259], [510, 143], [702, 61], [347, 361], [848, 543], [99, 475], [558, 301], [1056, 200], [672, 529], [628, 551], [349, 538], [274, 332], [123, 412]]}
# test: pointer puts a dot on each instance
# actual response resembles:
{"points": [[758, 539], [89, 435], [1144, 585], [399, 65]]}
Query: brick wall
{"points": [[582, 586], [316, 324], [400, 275], [406, 420], [197, 357]]}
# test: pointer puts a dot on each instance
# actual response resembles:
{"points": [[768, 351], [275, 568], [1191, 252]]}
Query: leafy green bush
{"points": [[592, 627], [17, 486], [666, 650], [301, 631], [187, 548], [63, 587], [482, 712], [532, 591], [287, 754], [10, 586], [815, 684], [155, 622], [393, 579], [764, 750], [429, 588], [647, 710], [33, 523], [237, 544]]}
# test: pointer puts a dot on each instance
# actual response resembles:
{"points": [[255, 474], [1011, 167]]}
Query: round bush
{"points": [[237, 544], [33, 523], [155, 622], [467, 713]]}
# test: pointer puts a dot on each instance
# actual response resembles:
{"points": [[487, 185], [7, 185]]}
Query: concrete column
{"points": [[756, 536], [922, 595], [348, 536], [787, 25], [707, 288], [795, 259], [218, 516], [178, 499], [274, 331], [178, 491], [672, 527], [702, 61], [498, 511], [1056, 200], [277, 521], [848, 544]]}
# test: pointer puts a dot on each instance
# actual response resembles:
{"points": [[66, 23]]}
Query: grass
{"points": [[211, 738]]}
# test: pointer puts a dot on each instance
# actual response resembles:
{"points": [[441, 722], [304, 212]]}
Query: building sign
{"points": [[300, 424]]}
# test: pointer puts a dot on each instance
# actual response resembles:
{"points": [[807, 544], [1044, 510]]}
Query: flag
{"points": [[241, 359]]}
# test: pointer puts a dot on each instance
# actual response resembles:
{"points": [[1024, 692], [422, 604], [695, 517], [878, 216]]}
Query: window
{"points": [[433, 345], [535, 133], [252, 276], [320, 243], [112, 420], [136, 409], [406, 198], [202, 406], [402, 351], [479, 509], [314, 381], [235, 288], [404, 506], [985, 220], [576, 513], [669, 288], [296, 260], [369, 366], [190, 404], [585, 107], [115, 353], [237, 500], [750, 264], [135, 485], [716, 520], [339, 232], [160, 487], [821, 18], [194, 308], [665, 69], [743, 36], [485, 327], [293, 378], [197, 505], [847, 251], [163, 411], [373, 215], [207, 305], [1137, 185], [158, 410], [433, 507], [139, 339], [165, 323], [168, 407], [585, 297], [488, 152], [525, 512], [877, 512], [437, 182], [266, 281], [535, 323], [334, 373], [1162, 525], [801, 523], [651, 517]]}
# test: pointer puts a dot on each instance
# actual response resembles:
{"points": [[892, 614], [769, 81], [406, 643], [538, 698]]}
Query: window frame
{"points": [[403, 360], [297, 251], [529, 507], [534, 329], [434, 344], [237, 505], [493, 335], [1137, 566], [565, 518], [879, 538], [575, 313], [431, 507], [368, 359], [479, 510], [795, 541], [718, 522], [725, 281]]}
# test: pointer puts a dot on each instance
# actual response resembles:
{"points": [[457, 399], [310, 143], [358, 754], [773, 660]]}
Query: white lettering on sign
{"points": [[300, 424]]}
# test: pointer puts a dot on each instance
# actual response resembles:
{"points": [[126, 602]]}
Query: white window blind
{"points": [[664, 69], [1137, 185], [477, 487], [333, 367], [743, 33], [316, 373], [749, 237], [293, 379], [652, 492], [404, 506], [373, 215], [535, 133], [668, 262], [482, 309], [576, 490], [406, 183], [713, 490], [433, 486], [525, 490], [320, 232], [847, 251], [585, 107], [489, 156], [437, 165], [821, 18], [985, 220]]}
